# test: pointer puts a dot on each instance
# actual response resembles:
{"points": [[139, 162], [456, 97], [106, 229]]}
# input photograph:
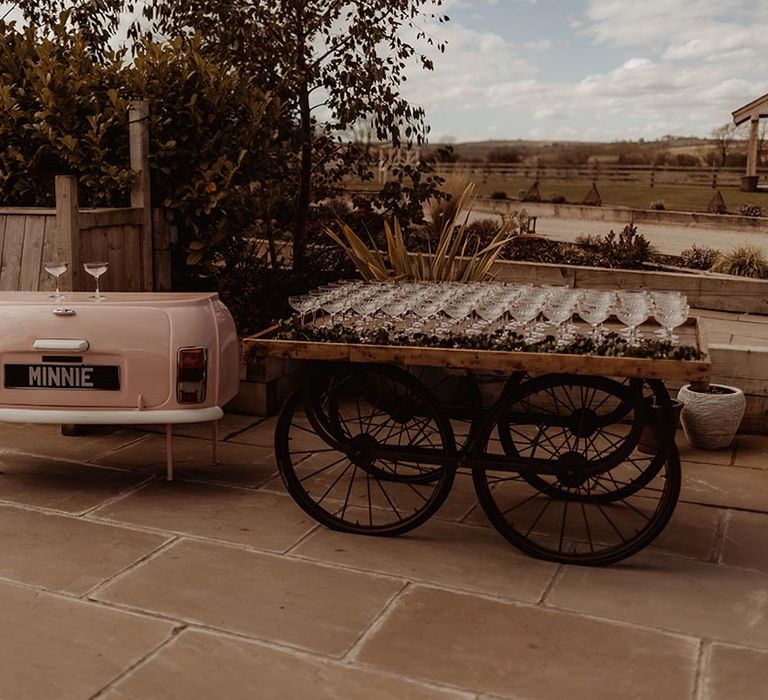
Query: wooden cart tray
{"points": [[691, 333]]}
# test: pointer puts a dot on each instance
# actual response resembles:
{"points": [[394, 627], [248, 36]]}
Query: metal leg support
{"points": [[169, 452]]}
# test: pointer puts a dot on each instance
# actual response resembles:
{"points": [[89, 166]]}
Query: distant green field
{"points": [[636, 195], [640, 196]]}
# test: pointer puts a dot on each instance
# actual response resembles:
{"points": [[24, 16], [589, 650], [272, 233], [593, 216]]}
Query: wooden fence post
{"points": [[162, 254], [67, 234], [138, 135]]}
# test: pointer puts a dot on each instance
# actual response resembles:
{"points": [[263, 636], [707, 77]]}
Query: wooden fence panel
{"points": [[120, 246], [47, 283], [29, 238], [32, 253], [22, 242]]}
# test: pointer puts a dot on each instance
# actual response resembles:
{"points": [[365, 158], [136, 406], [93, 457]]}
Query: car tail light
{"points": [[191, 375]]}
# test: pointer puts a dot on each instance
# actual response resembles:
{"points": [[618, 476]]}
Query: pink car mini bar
{"points": [[134, 358]]}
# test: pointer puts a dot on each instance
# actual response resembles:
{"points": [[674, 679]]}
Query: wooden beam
{"points": [[68, 230], [138, 132], [96, 218], [752, 147], [754, 110]]}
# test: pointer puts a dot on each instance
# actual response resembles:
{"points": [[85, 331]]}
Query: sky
{"points": [[592, 69]]}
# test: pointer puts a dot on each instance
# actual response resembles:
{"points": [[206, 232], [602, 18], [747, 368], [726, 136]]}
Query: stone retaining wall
{"points": [[625, 215]]}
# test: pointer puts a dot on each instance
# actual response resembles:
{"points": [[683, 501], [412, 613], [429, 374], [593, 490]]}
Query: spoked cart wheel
{"points": [[365, 449], [617, 430], [575, 489]]}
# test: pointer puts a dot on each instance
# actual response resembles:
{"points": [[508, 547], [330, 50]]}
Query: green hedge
{"points": [[211, 130]]}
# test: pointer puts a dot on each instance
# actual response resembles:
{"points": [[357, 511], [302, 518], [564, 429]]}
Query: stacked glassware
{"points": [[476, 308]]}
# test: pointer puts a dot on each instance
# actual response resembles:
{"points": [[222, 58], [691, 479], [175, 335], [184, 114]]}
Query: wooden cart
{"points": [[572, 457]]}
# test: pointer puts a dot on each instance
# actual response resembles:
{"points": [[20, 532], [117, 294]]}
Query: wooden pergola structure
{"points": [[752, 113]]}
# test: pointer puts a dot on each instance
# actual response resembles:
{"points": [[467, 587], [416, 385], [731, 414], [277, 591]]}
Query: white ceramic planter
{"points": [[710, 420]]}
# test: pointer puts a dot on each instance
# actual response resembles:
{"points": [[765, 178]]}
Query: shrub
{"points": [[256, 291], [590, 241], [213, 156], [751, 210], [685, 160], [499, 195], [744, 261], [504, 154], [483, 230], [699, 258], [541, 250], [629, 250], [63, 113], [657, 205]]}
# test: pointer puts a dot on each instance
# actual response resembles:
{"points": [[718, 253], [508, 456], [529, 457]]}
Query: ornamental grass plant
{"points": [[455, 256], [744, 261]]}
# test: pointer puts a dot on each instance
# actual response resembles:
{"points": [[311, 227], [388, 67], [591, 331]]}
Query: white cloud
{"points": [[473, 61], [694, 62]]}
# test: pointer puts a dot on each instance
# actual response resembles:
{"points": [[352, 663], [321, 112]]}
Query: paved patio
{"points": [[114, 584]]}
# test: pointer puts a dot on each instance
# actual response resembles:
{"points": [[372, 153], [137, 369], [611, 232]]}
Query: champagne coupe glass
{"points": [[395, 307], [632, 310], [670, 312], [558, 308], [424, 311], [595, 307], [96, 270], [332, 304], [457, 310], [490, 311], [56, 268], [302, 304], [366, 307], [525, 309]]}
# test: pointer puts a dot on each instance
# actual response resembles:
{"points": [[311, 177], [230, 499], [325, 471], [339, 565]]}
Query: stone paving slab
{"points": [[468, 642], [241, 465], [66, 554], [198, 666], [735, 673], [268, 597], [262, 434], [751, 451], [47, 440], [735, 487], [67, 486], [449, 610], [230, 425], [684, 596], [54, 647], [262, 520], [746, 541], [457, 556]]}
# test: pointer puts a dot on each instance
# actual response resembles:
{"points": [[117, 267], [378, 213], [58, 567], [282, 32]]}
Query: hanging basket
{"points": [[712, 417]]}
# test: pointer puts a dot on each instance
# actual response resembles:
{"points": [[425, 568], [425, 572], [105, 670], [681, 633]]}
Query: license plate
{"points": [[50, 376]]}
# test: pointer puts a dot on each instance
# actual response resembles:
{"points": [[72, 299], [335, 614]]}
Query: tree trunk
{"points": [[303, 197], [305, 180]]}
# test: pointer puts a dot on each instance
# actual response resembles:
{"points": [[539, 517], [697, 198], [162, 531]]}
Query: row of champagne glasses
{"points": [[481, 308], [56, 268]]}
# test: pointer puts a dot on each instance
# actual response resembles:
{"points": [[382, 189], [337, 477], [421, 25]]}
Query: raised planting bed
{"points": [[715, 293]]}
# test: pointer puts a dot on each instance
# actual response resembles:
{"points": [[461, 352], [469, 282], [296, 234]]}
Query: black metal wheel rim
{"points": [[604, 500], [331, 443]]}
